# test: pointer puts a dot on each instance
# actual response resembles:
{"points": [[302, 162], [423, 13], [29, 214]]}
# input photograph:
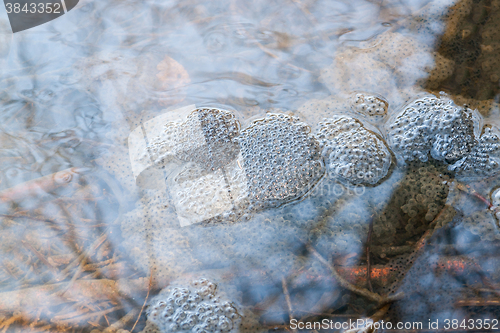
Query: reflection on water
{"points": [[245, 219]]}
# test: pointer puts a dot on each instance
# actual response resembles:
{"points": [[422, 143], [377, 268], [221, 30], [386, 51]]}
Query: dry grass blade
{"points": [[5, 325]]}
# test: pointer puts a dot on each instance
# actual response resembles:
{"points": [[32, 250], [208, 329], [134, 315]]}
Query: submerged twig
{"points": [[10, 321], [419, 246], [368, 263], [50, 294], [89, 315], [39, 255], [82, 260], [145, 300], [349, 286], [121, 322], [390, 251], [469, 190], [41, 186], [377, 316], [288, 301], [478, 302]]}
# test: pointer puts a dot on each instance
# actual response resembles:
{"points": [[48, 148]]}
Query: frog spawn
{"points": [[495, 201], [369, 105], [484, 159], [220, 176], [196, 308], [152, 240], [392, 64], [427, 125], [280, 159], [483, 224], [206, 138], [352, 152], [436, 126]]}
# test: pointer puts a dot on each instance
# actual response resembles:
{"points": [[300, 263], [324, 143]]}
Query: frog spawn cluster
{"points": [[353, 153], [288, 159], [206, 137], [196, 308], [437, 127], [289, 164], [276, 160], [483, 224], [369, 105], [419, 198], [364, 105], [483, 159], [392, 64]]}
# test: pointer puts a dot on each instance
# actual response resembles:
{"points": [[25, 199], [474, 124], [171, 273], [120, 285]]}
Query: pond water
{"points": [[264, 166]]}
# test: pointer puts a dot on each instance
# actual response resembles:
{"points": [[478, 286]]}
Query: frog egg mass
{"points": [[369, 105], [280, 159], [206, 137], [217, 172], [437, 127], [196, 308], [353, 152]]}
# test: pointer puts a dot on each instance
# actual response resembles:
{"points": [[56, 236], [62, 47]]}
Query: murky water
{"points": [[253, 213]]}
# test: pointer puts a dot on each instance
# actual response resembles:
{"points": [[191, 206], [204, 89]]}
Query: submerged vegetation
{"points": [[227, 167]]}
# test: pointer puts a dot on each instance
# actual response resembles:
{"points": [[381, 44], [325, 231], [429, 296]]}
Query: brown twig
{"points": [[469, 190], [88, 316], [84, 259], [378, 315], [97, 265], [390, 251], [28, 218], [288, 301], [10, 321], [478, 302], [121, 322], [145, 300], [50, 294], [349, 286], [368, 263], [40, 256], [41, 186]]}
